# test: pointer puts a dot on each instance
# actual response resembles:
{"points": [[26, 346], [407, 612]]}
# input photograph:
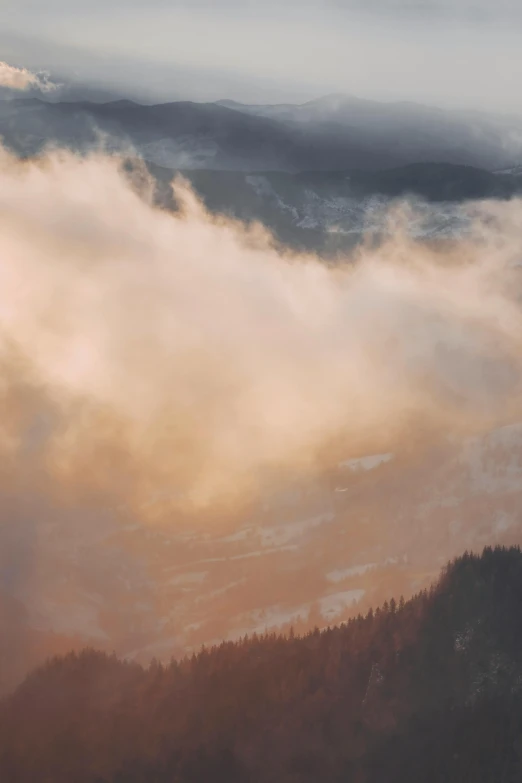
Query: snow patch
{"points": [[219, 591], [334, 605], [192, 578], [281, 534], [366, 463], [341, 574]]}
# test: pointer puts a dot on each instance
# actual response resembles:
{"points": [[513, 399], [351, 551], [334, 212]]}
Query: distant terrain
{"points": [[335, 133], [318, 175], [330, 212]]}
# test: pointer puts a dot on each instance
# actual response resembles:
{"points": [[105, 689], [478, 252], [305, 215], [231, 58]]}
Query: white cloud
{"points": [[22, 79], [218, 358]]}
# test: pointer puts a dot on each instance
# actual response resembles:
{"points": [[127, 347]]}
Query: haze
{"points": [[459, 53]]}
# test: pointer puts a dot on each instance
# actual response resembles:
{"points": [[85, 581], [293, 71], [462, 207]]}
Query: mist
{"points": [[184, 357], [459, 54], [197, 337]]}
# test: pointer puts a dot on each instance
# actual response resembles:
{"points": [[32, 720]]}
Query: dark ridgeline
{"points": [[423, 691], [331, 134]]}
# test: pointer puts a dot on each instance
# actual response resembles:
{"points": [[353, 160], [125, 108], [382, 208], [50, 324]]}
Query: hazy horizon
{"points": [[460, 55]]}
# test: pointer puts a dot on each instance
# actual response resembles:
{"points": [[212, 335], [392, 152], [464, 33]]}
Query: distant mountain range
{"points": [[334, 133], [318, 175]]}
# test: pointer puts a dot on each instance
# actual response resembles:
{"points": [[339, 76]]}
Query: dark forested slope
{"points": [[427, 690]]}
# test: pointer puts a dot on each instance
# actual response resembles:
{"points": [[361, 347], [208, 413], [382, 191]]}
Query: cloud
{"points": [[150, 355], [207, 356], [21, 79]]}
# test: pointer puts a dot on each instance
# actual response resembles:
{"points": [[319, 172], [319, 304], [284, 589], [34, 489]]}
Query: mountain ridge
{"points": [[324, 134], [406, 692]]}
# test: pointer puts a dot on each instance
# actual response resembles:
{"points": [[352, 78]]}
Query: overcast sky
{"points": [[448, 52]]}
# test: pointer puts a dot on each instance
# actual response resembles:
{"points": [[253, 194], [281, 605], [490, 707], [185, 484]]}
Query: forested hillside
{"points": [[424, 690]]}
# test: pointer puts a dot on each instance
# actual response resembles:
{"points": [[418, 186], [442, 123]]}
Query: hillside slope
{"points": [[426, 690]]}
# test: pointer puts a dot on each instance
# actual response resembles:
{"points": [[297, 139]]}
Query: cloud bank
{"points": [[206, 357]]}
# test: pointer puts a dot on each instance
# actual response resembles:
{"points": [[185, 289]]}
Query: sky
{"points": [[445, 52]]}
